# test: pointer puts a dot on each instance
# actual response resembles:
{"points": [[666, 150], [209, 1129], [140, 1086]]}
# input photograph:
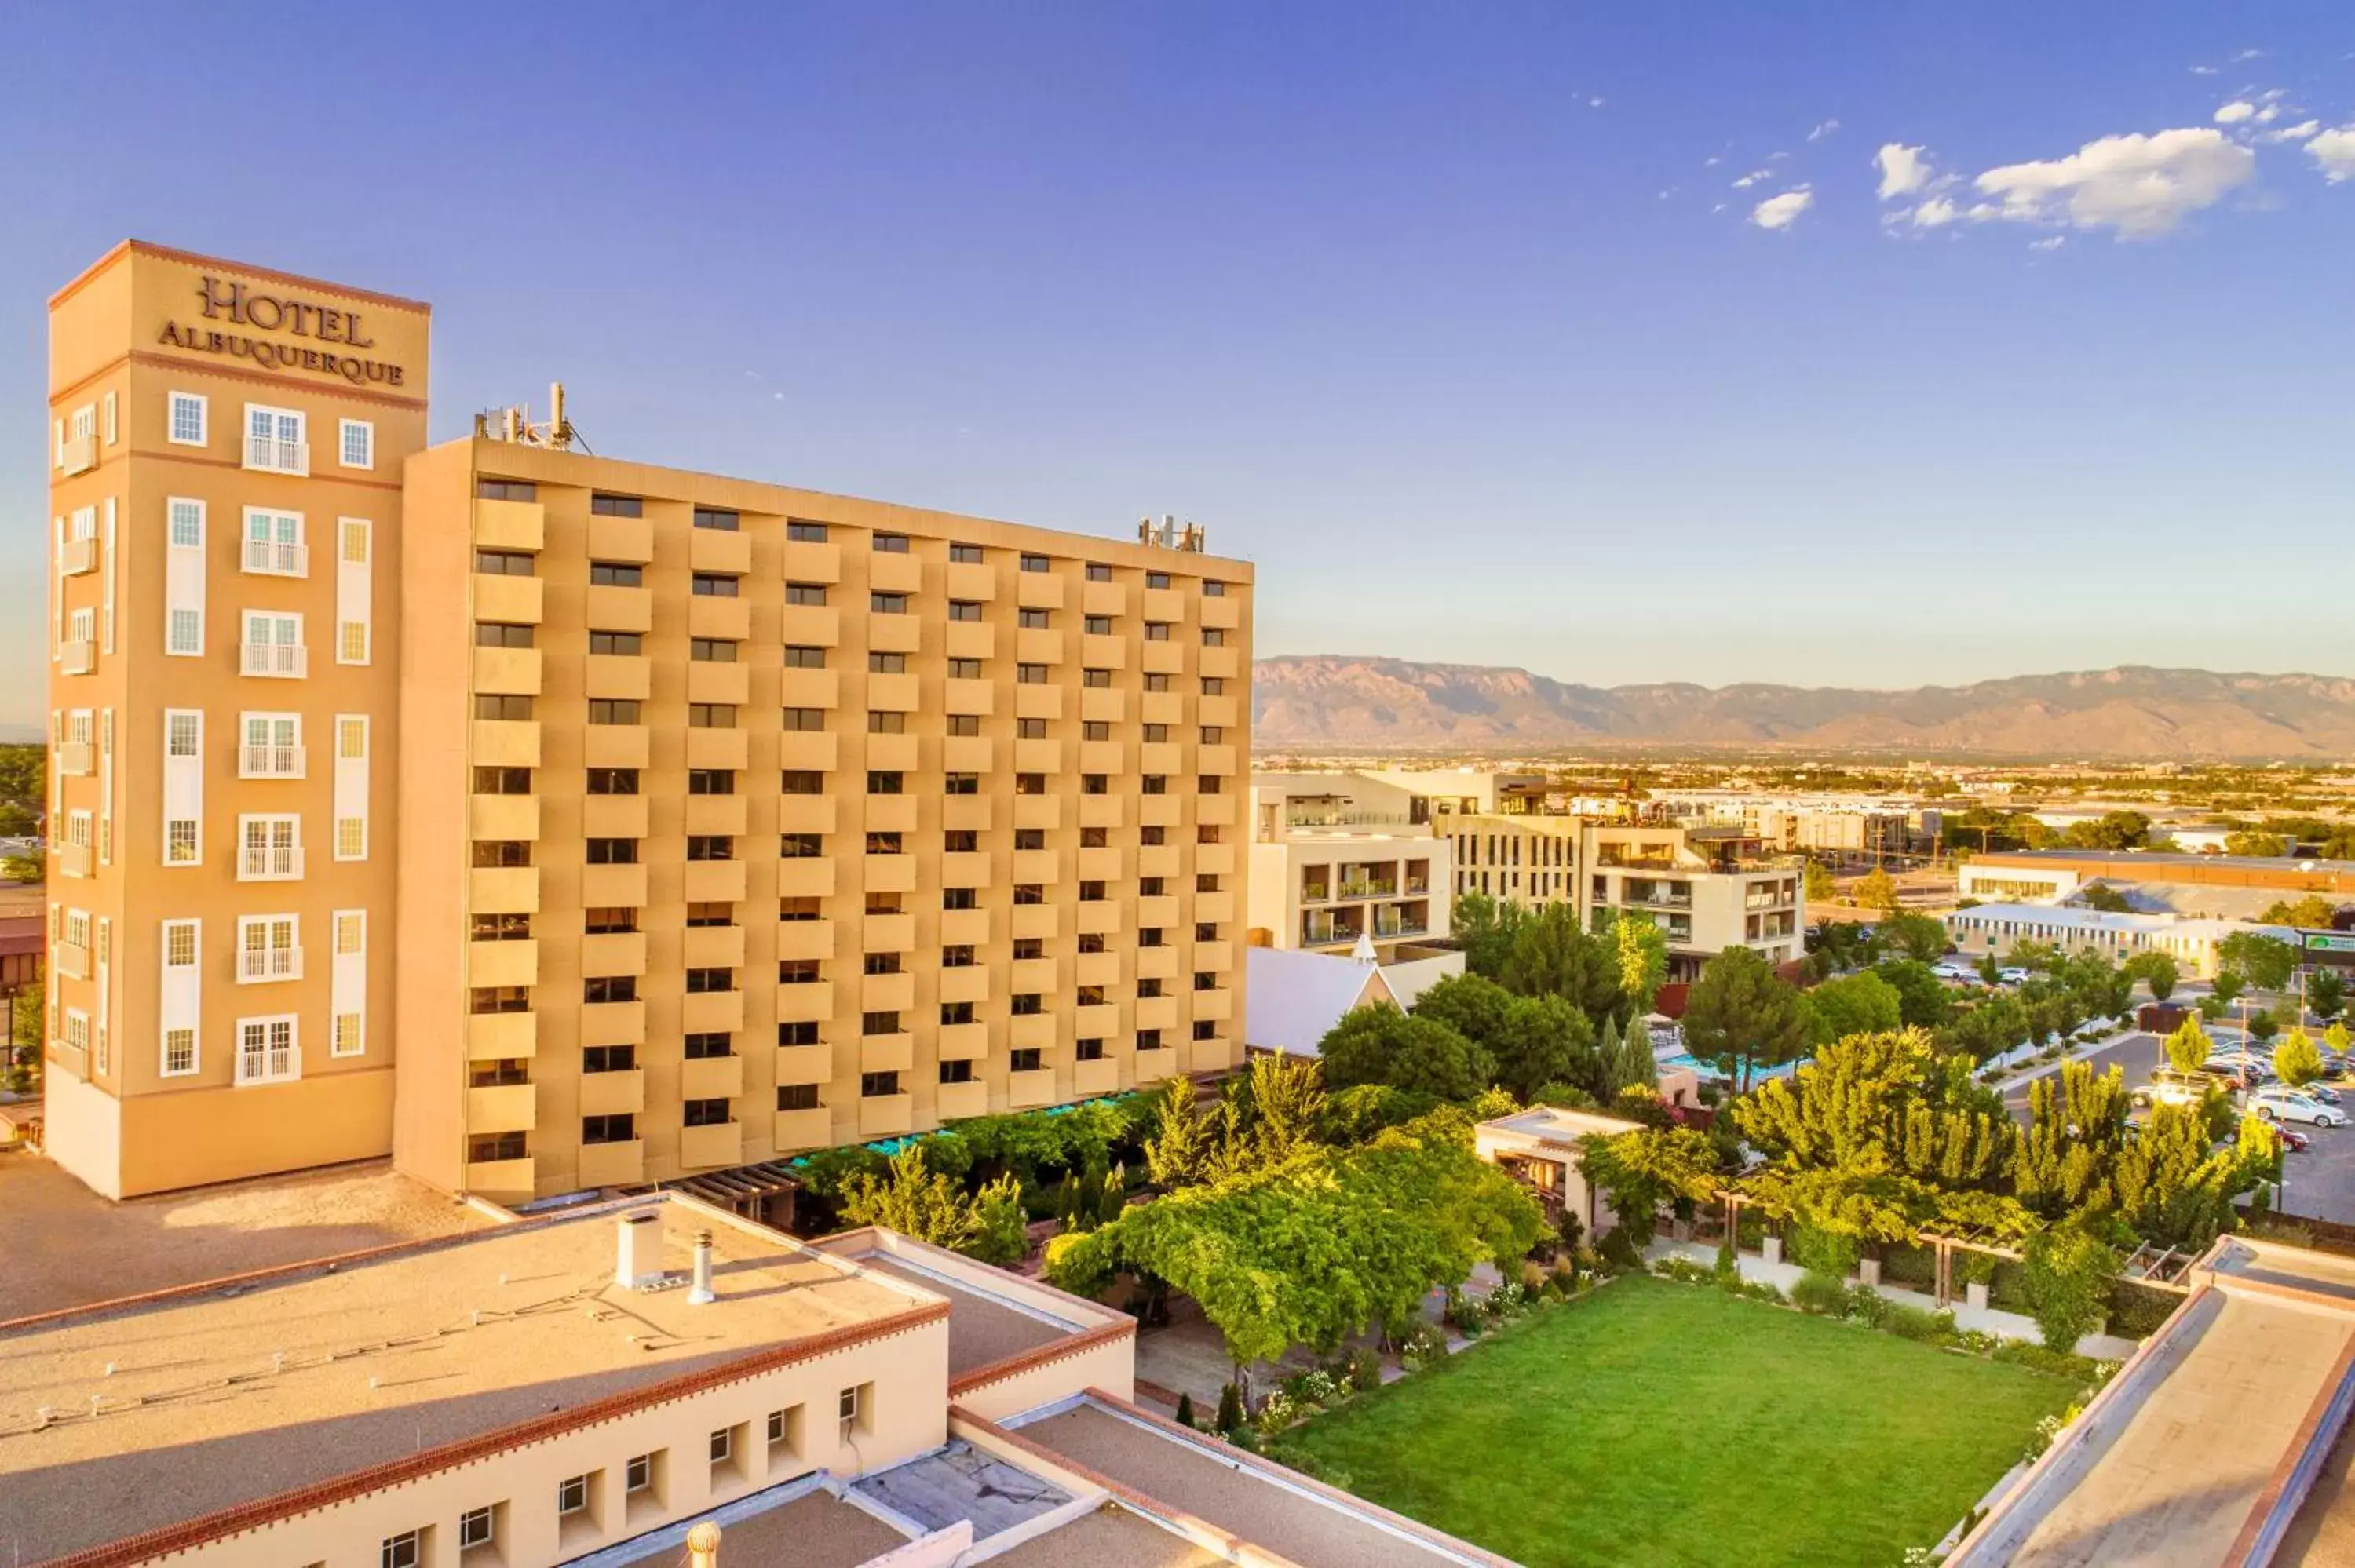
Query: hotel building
{"points": [[1341, 858], [552, 822]]}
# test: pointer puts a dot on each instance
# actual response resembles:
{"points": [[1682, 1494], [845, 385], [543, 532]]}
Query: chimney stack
{"points": [[639, 1261], [703, 1546], [699, 1294]]}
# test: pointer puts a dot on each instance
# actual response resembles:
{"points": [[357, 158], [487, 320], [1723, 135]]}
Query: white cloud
{"points": [[1824, 129], [2049, 242], [2139, 185], [2298, 132], [2246, 55], [2334, 152], [1780, 212], [1903, 170], [1719, 208], [1752, 178], [2203, 71], [1594, 103], [1935, 213], [1710, 162], [2233, 114]]}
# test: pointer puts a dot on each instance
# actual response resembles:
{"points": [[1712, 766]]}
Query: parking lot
{"points": [[2320, 1182]]}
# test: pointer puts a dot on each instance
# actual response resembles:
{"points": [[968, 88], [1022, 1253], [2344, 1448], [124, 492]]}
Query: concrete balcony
{"points": [[1044, 812], [1030, 975], [969, 640], [609, 953], [968, 754], [1031, 1031], [78, 759], [613, 1093], [1101, 756], [1225, 612], [1214, 958], [501, 1180], [890, 571], [955, 1102], [1037, 756], [713, 947], [718, 550], [1103, 652], [809, 625], [1037, 920], [882, 1116], [1216, 759], [498, 817], [503, 963], [1037, 867], [76, 556], [806, 877], [891, 814], [1098, 1021], [1157, 1012], [893, 753], [274, 661], [514, 525], [1160, 707], [1096, 969], [1098, 1078], [1102, 811], [805, 1064], [514, 602], [607, 608], [1216, 1006], [1222, 663], [729, 748], [1216, 811], [811, 1002], [1152, 1066], [965, 813], [713, 881], [810, 561], [972, 580], [1157, 860], [890, 933], [1033, 646], [728, 620], [887, 993], [888, 873], [1037, 702], [1104, 599], [711, 1077], [813, 750], [964, 927], [616, 745], [70, 959], [1215, 860], [969, 982], [1214, 907], [1158, 810], [503, 1107], [963, 1042], [1221, 710], [1156, 963], [630, 539], [507, 672], [613, 886], [623, 675], [612, 817], [720, 815], [1161, 909], [1037, 590], [612, 1023], [711, 1012], [506, 743], [1026, 1090], [612, 1164], [1096, 916], [796, 1131], [1104, 704], [502, 1036], [895, 633], [260, 966], [1161, 658], [710, 682], [965, 868], [703, 1147], [805, 939], [78, 454], [887, 1053]]}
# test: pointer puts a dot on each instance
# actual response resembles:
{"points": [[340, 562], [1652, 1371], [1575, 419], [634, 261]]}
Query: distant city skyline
{"points": [[1819, 346]]}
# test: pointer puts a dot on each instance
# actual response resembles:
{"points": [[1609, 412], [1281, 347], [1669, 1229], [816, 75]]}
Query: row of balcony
{"points": [[624, 953]]}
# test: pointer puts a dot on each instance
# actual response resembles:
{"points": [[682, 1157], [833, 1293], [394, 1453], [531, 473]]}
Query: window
{"points": [[884, 843], [616, 506], [1031, 674], [707, 914], [621, 1128], [1029, 948], [802, 1033], [891, 543], [965, 609], [1148, 1039], [617, 574], [572, 1493], [966, 555], [607, 851], [1095, 783], [888, 603], [883, 782], [612, 780], [1156, 579], [1213, 637], [406, 1550], [600, 990], [355, 443], [1030, 838], [506, 490], [622, 644], [801, 532], [1088, 1050], [1098, 572], [500, 634], [1150, 986], [710, 846], [718, 519], [503, 564], [1027, 1060], [613, 710], [956, 1072], [712, 716], [1097, 625], [1029, 783], [1029, 893], [609, 920], [476, 1526], [711, 651], [797, 971], [609, 1059], [1156, 682], [1150, 936], [885, 1020], [1095, 679], [497, 999], [186, 423], [500, 929], [1031, 729], [1213, 686], [960, 957], [706, 1047], [883, 963], [804, 721], [800, 846], [712, 584], [266, 1049], [798, 657], [1213, 735], [179, 1053], [1034, 563], [1213, 589], [964, 727], [965, 669], [503, 706], [1034, 620], [276, 441], [850, 1411], [1157, 631], [805, 593], [712, 781], [273, 848], [875, 1086], [883, 723], [796, 1096], [707, 1113], [959, 898]]}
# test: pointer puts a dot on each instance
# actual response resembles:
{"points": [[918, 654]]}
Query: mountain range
{"points": [[1327, 701]]}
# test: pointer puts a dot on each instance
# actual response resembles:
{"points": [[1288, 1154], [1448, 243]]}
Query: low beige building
{"points": [[1340, 857], [1544, 1147]]}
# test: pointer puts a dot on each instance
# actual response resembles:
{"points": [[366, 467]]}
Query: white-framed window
{"points": [[276, 440], [351, 787], [352, 537], [271, 847], [638, 1474], [348, 992], [181, 846], [268, 947], [106, 419], [847, 1411], [179, 1053], [406, 1550], [185, 631], [477, 1527], [355, 543], [571, 1496], [185, 421], [355, 443], [267, 1051], [273, 747], [272, 645], [77, 1030], [184, 732], [273, 544], [188, 520], [184, 577], [81, 626]]}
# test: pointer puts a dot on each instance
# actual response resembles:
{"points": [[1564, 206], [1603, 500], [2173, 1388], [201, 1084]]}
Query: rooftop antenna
{"points": [[516, 427]]}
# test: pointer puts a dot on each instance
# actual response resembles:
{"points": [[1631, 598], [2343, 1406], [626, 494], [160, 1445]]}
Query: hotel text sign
{"points": [[334, 335]]}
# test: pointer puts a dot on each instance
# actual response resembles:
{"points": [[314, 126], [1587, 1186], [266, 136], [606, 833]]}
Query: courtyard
{"points": [[1662, 1423]]}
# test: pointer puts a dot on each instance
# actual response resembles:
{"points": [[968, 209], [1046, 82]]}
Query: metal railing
{"points": [[288, 660], [277, 558], [270, 762], [270, 863], [272, 455], [270, 964]]}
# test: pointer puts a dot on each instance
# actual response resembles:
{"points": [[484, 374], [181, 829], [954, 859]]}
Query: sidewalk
{"points": [[1985, 1319], [2078, 1053]]}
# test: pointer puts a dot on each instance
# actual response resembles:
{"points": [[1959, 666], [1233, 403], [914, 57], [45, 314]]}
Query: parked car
{"points": [[2277, 1104], [2322, 1092], [2012, 975], [2241, 1063], [1952, 970], [2171, 1088], [2295, 1141]]}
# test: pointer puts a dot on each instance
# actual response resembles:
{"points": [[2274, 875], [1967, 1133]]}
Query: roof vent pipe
{"points": [[699, 1293], [639, 1262]]}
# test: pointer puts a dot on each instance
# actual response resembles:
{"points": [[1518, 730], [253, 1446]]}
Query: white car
{"points": [[2012, 975], [2289, 1105], [1953, 971]]}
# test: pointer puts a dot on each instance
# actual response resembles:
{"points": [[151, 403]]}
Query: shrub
{"points": [[1822, 1252], [1822, 1294], [1867, 1305], [1617, 1249], [1186, 1410], [1729, 1262], [1684, 1270], [1762, 1290], [2136, 1309], [1973, 1267], [1905, 1265], [1913, 1323], [1276, 1412], [1365, 1369], [2069, 1274], [1315, 1386], [1506, 1300], [1230, 1408], [1425, 1342], [1977, 1342], [2021, 1352]]}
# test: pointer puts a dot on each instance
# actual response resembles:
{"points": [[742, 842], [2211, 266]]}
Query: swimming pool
{"points": [[1691, 1063]]}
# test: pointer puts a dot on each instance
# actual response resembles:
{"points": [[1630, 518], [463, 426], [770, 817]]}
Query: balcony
{"points": [[811, 1002], [803, 939], [968, 928], [70, 959], [77, 658], [502, 1036], [78, 454], [503, 963], [616, 745], [76, 758], [711, 1077], [506, 743], [712, 882], [1024, 1090], [517, 525], [275, 558], [607, 954], [501, 1179], [729, 619], [507, 672], [711, 1012], [797, 1129], [612, 1164], [502, 890], [270, 863], [956, 1102], [282, 661], [502, 816], [502, 1108], [1362, 890], [270, 761], [612, 1023], [1098, 1078], [887, 1053], [267, 454], [611, 886], [1397, 920], [707, 682], [1152, 1066], [880, 1116], [614, 1094], [1030, 1031], [717, 550], [963, 1042], [701, 1147], [712, 947], [256, 966], [1214, 1005], [76, 556]]}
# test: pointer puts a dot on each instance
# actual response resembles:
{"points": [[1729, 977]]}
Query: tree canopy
{"points": [[1741, 1016], [1377, 1044], [1853, 1004]]}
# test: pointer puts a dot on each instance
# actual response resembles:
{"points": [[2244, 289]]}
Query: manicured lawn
{"points": [[1658, 1422]]}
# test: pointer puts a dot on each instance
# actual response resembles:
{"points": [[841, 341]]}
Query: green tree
{"points": [[2325, 993], [1528, 1040], [1486, 928], [1990, 969], [20, 868], [1379, 1044], [1923, 999], [2155, 970], [1821, 889], [1860, 1003], [2068, 1275], [2313, 911], [2255, 842], [2229, 984], [2296, 1061], [2188, 1046], [2076, 1124], [1741, 1016], [1642, 949], [2101, 896], [1179, 1152], [2111, 830], [1877, 890], [1919, 937], [914, 1202], [1001, 1228], [1553, 957], [24, 775], [2266, 962], [1881, 1104], [1640, 1171]]}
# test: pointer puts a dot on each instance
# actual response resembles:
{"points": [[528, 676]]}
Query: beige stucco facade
{"points": [[1337, 857], [728, 819]]}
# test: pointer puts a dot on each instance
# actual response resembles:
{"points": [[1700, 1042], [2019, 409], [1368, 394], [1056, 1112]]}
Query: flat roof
{"points": [[142, 1414], [983, 1329], [2113, 920], [2315, 867], [1111, 1537], [1560, 1126], [810, 1528]]}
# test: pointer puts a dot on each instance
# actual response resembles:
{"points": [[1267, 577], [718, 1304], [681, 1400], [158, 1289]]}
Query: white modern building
{"points": [[1339, 857]]}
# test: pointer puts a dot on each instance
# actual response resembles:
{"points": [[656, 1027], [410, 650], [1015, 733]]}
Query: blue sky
{"points": [[1453, 318]]}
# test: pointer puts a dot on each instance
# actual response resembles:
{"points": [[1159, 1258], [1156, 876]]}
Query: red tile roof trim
{"points": [[998, 1371]]}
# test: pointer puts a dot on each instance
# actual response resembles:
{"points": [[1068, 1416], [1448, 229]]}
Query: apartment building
{"points": [[1340, 858], [1709, 889], [225, 448], [738, 820], [728, 819]]}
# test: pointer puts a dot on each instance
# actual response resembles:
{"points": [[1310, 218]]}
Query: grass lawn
{"points": [[1658, 1422]]}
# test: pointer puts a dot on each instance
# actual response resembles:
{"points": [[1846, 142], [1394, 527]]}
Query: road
{"points": [[2320, 1182]]}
